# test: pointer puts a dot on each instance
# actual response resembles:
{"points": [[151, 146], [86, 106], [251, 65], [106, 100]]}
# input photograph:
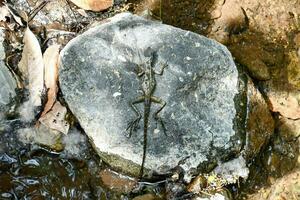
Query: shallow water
{"points": [[29, 171]]}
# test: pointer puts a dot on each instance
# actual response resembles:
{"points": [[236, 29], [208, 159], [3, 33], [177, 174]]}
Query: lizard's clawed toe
{"points": [[160, 121], [132, 126]]}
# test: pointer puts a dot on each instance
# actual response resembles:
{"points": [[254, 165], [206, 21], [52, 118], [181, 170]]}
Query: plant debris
{"points": [[50, 58], [94, 5]]}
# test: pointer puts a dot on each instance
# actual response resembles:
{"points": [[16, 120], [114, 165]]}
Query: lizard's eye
{"points": [[138, 69]]}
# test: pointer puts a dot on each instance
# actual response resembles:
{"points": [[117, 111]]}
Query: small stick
{"points": [[36, 10]]}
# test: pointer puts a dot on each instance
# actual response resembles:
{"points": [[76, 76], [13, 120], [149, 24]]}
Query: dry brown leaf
{"points": [[82, 12], [50, 58], [4, 12], [55, 118], [16, 18], [94, 5], [32, 67]]}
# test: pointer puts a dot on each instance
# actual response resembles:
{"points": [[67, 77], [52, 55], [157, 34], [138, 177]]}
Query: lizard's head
{"points": [[148, 52], [149, 55]]}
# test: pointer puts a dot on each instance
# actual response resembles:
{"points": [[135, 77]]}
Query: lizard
{"points": [[148, 84]]}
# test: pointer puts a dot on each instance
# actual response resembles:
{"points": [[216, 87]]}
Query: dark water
{"points": [[32, 171], [29, 171]]}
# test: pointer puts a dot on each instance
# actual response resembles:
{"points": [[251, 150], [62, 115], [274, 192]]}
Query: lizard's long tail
{"points": [[147, 105]]}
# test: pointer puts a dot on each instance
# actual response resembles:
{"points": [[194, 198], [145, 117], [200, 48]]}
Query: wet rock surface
{"points": [[282, 98], [98, 79], [287, 187], [260, 124], [7, 82], [117, 182], [255, 61]]}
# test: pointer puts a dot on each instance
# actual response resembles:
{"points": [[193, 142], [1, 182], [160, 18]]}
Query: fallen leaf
{"points": [[16, 18], [94, 5], [82, 12], [50, 58], [32, 67], [4, 13], [55, 118]]}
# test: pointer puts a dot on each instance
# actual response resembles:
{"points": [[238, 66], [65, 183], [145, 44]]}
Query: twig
{"points": [[36, 10]]}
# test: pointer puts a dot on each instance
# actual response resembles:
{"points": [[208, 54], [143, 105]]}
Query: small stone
{"points": [[198, 184], [117, 182], [41, 135], [287, 103]]}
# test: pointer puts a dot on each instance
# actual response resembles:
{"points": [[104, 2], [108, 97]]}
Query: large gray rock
{"points": [[7, 82], [200, 85]]}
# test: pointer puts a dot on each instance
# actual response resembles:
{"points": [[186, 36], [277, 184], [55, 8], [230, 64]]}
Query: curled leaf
{"points": [[94, 5], [82, 12], [32, 67], [50, 58], [16, 18], [4, 12]]}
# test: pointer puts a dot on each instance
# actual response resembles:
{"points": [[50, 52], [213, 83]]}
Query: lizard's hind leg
{"points": [[133, 125], [155, 115]]}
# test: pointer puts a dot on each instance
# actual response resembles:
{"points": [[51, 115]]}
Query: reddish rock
{"points": [[293, 69], [260, 123], [228, 17], [287, 103], [285, 188], [117, 182], [289, 129], [253, 57]]}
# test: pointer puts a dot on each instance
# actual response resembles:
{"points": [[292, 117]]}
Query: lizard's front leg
{"points": [[155, 115], [134, 123], [161, 70]]}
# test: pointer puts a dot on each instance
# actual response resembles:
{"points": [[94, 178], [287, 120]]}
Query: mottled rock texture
{"points": [[260, 124], [287, 187], [200, 85], [7, 82]]}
